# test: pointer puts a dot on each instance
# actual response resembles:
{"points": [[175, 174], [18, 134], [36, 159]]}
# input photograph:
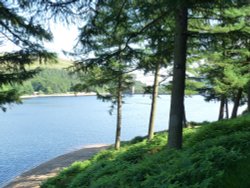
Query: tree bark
{"points": [[177, 96], [119, 115], [227, 111], [236, 103], [154, 102], [222, 106], [185, 123], [248, 98]]}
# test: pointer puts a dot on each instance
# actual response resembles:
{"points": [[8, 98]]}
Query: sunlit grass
{"points": [[60, 64]]}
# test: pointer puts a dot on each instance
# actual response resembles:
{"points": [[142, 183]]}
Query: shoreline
{"points": [[70, 95], [58, 95], [36, 175]]}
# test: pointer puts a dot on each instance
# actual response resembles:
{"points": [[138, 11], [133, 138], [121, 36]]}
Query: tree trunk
{"points": [[248, 98], [177, 96], [236, 103], [185, 123], [119, 115], [154, 102], [222, 106], [227, 111]]}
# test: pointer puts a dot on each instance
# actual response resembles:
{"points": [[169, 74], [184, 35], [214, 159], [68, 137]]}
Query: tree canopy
{"points": [[117, 37], [130, 29]]}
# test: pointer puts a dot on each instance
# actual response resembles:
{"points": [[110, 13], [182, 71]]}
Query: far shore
{"points": [[59, 95], [34, 177]]}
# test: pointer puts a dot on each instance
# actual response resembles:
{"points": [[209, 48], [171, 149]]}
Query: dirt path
{"points": [[34, 177]]}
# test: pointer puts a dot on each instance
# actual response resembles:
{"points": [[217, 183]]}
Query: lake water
{"points": [[43, 128]]}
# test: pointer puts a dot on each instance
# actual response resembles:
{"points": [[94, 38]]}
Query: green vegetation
{"points": [[213, 155], [209, 38], [49, 81], [183, 36], [205, 46], [55, 78], [139, 87], [60, 64], [26, 38]]}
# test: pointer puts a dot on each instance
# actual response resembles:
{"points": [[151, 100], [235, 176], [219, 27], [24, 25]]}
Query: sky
{"points": [[65, 38]]}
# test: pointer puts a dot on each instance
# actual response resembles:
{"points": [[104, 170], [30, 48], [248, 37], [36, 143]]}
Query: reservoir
{"points": [[43, 128]]}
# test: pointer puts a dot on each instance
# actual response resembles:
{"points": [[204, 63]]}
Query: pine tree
{"points": [[199, 10], [103, 35], [158, 54], [226, 68], [177, 96], [135, 28], [26, 37], [114, 83]]}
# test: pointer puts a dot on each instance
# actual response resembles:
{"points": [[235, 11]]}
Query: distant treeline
{"points": [[51, 81]]}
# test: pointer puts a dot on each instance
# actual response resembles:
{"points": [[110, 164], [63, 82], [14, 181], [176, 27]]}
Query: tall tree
{"points": [[177, 96], [154, 102], [198, 9], [158, 54], [104, 37], [248, 98], [226, 68], [114, 81]]}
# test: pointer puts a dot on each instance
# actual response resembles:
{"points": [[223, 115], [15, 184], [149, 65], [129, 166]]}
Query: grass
{"points": [[214, 155], [60, 64]]}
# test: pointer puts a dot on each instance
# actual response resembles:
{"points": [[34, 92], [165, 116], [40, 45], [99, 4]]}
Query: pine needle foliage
{"points": [[26, 37]]}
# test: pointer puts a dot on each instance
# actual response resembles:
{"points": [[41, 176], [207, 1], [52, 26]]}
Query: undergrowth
{"points": [[215, 155]]}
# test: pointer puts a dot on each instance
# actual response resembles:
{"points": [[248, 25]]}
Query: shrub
{"points": [[210, 157]]}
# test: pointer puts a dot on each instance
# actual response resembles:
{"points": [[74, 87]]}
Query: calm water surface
{"points": [[43, 128]]}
